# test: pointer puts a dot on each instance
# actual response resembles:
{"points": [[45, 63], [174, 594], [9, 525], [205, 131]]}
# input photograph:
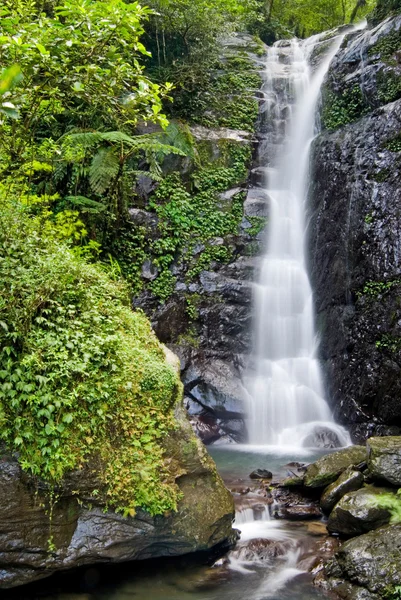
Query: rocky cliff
{"points": [[206, 315], [355, 226]]}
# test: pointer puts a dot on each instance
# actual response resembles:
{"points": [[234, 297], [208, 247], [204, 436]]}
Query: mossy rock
{"points": [[356, 513], [384, 458], [372, 562], [349, 481], [328, 468]]}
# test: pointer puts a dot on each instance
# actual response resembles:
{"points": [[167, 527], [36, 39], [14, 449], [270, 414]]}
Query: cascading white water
{"points": [[287, 405]]}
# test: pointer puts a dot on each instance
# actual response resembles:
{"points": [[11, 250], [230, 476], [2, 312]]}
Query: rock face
{"points": [[384, 459], [83, 532], [213, 338], [327, 469], [355, 226]]}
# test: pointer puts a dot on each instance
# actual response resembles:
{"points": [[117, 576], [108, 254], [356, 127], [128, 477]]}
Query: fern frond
{"points": [[86, 204], [87, 139], [104, 167]]}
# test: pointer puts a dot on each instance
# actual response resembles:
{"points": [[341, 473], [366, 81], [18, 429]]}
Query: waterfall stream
{"points": [[286, 395]]}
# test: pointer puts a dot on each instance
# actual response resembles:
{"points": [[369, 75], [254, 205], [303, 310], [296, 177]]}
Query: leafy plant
{"points": [[83, 378]]}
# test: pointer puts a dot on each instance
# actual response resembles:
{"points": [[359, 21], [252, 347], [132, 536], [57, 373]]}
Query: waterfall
{"points": [[286, 394]]}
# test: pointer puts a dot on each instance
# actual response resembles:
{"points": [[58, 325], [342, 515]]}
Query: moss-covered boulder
{"points": [[98, 460], [372, 562], [327, 469], [349, 481], [357, 512], [384, 458], [83, 531]]}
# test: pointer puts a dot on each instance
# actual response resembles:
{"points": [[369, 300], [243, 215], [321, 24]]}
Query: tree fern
{"points": [[104, 168]]}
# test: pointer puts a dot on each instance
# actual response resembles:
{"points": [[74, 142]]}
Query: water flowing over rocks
{"points": [[354, 232]]}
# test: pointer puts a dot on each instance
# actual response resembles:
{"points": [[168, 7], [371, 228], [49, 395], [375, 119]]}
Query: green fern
{"points": [[86, 205], [104, 169]]}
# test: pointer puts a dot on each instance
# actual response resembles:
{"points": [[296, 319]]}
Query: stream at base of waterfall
{"points": [[284, 383]]}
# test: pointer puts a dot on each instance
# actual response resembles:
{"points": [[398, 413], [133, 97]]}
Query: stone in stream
{"points": [[327, 469], [298, 512], [322, 437], [349, 481], [384, 458], [371, 561], [261, 474], [355, 513]]}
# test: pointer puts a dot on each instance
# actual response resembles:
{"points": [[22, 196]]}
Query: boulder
{"points": [[349, 481], [328, 468], [355, 514], [84, 531], [372, 562], [384, 459], [322, 437], [261, 474]]}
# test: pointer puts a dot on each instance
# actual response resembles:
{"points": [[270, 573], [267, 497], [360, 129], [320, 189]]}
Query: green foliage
{"points": [[227, 99], [388, 86], [390, 343], [340, 109], [383, 9], [82, 377], [394, 144], [374, 289], [74, 92], [391, 502], [387, 45], [258, 225]]}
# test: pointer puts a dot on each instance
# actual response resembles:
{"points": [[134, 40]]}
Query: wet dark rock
{"points": [[384, 459], [372, 562], [355, 238], [261, 474], [298, 512], [355, 514], [260, 549], [328, 468], [349, 481], [216, 397], [85, 532]]}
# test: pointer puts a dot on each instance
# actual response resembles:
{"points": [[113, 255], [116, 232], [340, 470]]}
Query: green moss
{"points": [[383, 9], [82, 377], [344, 108], [229, 99]]}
